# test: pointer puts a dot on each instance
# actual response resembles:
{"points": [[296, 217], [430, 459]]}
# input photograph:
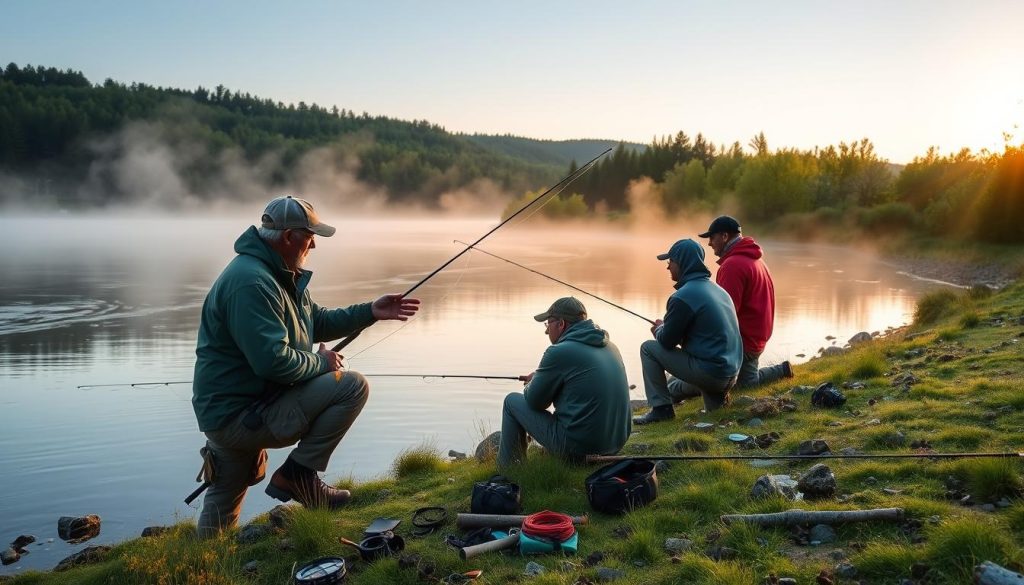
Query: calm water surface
{"points": [[88, 301]]}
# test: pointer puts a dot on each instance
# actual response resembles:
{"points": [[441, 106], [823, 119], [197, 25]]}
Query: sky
{"points": [[907, 75]]}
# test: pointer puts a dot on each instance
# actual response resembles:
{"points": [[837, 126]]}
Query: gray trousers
{"points": [[750, 376], [689, 379], [316, 414], [519, 420]]}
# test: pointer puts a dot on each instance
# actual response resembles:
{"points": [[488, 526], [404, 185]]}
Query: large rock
{"points": [[76, 529], [281, 516], [861, 337], [488, 448], [768, 486], [813, 447], [818, 482], [822, 534], [86, 556], [253, 533]]}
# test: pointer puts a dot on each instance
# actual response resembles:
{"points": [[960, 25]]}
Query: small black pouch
{"points": [[497, 495], [622, 486], [828, 396]]}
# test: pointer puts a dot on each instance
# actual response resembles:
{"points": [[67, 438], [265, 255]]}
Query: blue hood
{"points": [[689, 255]]}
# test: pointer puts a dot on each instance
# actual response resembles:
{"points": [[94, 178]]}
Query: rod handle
{"points": [[468, 552]]}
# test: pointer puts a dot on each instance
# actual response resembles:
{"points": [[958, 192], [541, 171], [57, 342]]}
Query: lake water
{"points": [[99, 301]]}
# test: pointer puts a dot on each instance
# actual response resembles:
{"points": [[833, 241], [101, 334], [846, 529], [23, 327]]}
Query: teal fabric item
{"points": [[258, 324], [534, 545], [582, 375]]}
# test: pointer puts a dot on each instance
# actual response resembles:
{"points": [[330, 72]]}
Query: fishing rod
{"points": [[560, 185], [595, 459], [469, 376], [539, 273]]}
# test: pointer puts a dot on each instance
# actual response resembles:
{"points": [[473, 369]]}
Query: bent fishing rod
{"points": [[176, 382], [560, 185], [596, 459], [561, 282]]}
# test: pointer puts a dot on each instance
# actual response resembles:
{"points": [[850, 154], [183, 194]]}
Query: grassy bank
{"points": [[965, 354]]}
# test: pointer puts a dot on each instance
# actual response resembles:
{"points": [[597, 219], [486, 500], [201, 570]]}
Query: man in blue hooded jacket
{"points": [[258, 381], [582, 375], [698, 341]]}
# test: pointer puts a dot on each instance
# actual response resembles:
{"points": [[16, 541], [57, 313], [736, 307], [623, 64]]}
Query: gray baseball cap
{"points": [[289, 213], [568, 308]]}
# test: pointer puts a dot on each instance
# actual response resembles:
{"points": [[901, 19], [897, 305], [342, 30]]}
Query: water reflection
{"points": [[99, 301]]}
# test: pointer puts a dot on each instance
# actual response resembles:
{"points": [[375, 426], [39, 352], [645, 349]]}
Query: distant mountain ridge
{"points": [[557, 152]]}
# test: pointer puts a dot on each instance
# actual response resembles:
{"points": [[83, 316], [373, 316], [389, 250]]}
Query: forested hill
{"points": [[68, 141], [561, 152]]}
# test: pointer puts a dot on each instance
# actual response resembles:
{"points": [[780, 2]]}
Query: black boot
{"points": [[657, 414]]}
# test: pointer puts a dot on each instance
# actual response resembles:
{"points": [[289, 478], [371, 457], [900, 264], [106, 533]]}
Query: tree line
{"points": [[962, 195], [52, 119]]}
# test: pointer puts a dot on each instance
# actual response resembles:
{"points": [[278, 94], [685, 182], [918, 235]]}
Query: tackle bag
{"points": [[827, 395], [497, 495], [622, 486]]}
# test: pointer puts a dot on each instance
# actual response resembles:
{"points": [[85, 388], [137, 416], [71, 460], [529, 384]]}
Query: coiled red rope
{"points": [[550, 525]]}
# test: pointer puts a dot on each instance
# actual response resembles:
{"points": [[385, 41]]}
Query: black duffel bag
{"points": [[620, 487], [496, 496]]}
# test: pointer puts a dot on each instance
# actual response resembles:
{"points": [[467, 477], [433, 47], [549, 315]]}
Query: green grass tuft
{"points": [[424, 458], [989, 480], [869, 364], [934, 306], [885, 561], [955, 547]]}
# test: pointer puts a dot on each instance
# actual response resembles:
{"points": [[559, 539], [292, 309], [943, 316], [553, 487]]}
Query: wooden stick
{"points": [[501, 520], [989, 573], [468, 552], [797, 516]]}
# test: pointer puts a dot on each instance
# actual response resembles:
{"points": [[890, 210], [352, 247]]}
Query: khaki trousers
{"points": [[316, 414]]}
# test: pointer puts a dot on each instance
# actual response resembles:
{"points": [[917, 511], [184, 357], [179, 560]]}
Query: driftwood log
{"points": [[989, 573], [500, 520], [796, 516]]}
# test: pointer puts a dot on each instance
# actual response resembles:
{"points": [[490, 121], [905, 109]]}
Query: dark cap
{"points": [[568, 308], [289, 213], [722, 223]]}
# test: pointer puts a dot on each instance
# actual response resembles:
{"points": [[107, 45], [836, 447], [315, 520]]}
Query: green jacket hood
{"points": [[251, 244], [585, 332]]}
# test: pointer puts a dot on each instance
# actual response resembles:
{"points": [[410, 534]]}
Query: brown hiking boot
{"points": [[307, 489]]}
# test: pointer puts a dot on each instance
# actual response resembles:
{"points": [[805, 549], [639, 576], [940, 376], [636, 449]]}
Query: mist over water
{"points": [[100, 300]]}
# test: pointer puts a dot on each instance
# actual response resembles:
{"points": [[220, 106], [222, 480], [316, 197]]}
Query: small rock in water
{"points": [[9, 556], [23, 541], [76, 529]]}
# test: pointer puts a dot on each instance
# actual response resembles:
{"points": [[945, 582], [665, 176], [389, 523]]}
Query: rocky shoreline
{"points": [[957, 272]]}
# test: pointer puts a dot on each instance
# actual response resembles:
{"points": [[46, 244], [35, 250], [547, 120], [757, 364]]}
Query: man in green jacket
{"points": [[582, 375], [258, 382]]}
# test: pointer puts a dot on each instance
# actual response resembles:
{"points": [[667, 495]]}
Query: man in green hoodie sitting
{"points": [[582, 375], [258, 382]]}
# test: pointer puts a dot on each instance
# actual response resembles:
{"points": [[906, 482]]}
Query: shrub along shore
{"points": [[951, 382]]}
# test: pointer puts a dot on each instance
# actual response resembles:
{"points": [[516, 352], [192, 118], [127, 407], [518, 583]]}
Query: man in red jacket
{"points": [[744, 275]]}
